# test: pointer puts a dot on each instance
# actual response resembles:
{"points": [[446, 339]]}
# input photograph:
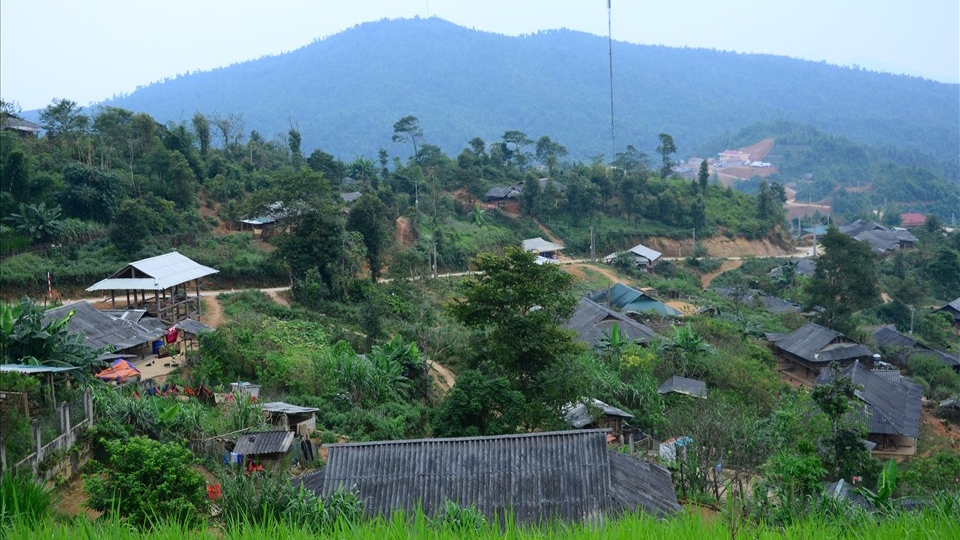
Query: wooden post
{"points": [[3, 456]]}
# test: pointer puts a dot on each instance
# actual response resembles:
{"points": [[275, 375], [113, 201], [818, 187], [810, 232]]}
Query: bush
{"points": [[23, 499], [146, 481]]}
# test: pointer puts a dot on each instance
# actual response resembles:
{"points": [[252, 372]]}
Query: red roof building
{"points": [[913, 220]]}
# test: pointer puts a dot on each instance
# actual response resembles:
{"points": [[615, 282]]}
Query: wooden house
{"points": [[805, 351]]}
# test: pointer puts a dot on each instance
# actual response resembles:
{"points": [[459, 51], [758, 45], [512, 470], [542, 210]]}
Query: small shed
{"points": [[265, 447], [683, 385], [245, 389], [168, 277], [627, 299], [595, 414], [301, 420], [543, 248]]}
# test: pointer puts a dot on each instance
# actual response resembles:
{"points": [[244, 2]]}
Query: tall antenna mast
{"points": [[613, 132]]}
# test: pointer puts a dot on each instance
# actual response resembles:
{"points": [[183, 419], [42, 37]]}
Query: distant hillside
{"points": [[346, 91]]}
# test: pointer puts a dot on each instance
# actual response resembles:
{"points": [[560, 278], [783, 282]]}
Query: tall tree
{"points": [[703, 176], [63, 116], [516, 310], [368, 216], [549, 152], [296, 154], [666, 149], [516, 155], [201, 126], [407, 129], [845, 280]]}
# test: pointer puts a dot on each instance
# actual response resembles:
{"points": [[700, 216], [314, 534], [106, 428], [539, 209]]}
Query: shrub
{"points": [[146, 481]]}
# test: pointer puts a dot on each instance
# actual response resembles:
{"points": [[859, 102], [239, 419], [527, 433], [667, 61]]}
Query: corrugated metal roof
{"points": [[683, 385], [645, 252], [502, 192], [26, 369], [580, 415], [191, 326], [535, 476], [894, 402], [101, 330], [592, 321], [540, 245], [264, 442], [815, 343], [286, 408], [638, 483], [155, 274]]}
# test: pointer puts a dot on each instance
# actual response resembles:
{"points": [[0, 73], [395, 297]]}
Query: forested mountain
{"points": [[344, 93]]}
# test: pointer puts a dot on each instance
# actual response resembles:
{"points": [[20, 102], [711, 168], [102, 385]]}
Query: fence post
{"points": [[88, 405], [66, 426], [3, 456], [35, 426]]}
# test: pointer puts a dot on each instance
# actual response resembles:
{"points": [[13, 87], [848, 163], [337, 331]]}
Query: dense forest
{"points": [[341, 93]]}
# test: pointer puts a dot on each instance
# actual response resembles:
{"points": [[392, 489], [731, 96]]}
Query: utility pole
{"points": [[434, 259], [694, 243], [593, 252], [912, 311]]}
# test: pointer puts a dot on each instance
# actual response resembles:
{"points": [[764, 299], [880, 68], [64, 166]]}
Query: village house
{"points": [[913, 220], [805, 351], [547, 251], [952, 309], [595, 414], [644, 257], [629, 300], [881, 239], [570, 475], [904, 348], [593, 322], [888, 402], [287, 417], [266, 448], [733, 157]]}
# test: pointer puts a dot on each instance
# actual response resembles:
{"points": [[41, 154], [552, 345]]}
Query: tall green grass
{"points": [[23, 500], [940, 521]]}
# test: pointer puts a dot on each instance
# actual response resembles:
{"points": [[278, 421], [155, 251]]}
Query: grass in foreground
{"points": [[931, 523]]}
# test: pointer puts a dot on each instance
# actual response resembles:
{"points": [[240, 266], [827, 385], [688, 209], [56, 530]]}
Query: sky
{"points": [[88, 51]]}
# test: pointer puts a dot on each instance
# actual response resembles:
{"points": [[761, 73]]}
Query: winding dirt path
{"points": [[725, 266], [443, 377]]}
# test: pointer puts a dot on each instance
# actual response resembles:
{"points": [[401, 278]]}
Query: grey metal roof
{"points": [[859, 226], [19, 124], [502, 192], [191, 326], [264, 442], [535, 476], [952, 308], [101, 330], [641, 484], [683, 385], [544, 182], [155, 274], [286, 408], [894, 402], [817, 344], [581, 415], [132, 315], [770, 303], [645, 252], [540, 245], [802, 267], [350, 197], [592, 321], [27, 369], [888, 337]]}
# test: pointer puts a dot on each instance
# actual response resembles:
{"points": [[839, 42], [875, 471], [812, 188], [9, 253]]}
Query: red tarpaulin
{"points": [[120, 371]]}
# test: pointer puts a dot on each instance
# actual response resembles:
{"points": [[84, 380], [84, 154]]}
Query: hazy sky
{"points": [[89, 50]]}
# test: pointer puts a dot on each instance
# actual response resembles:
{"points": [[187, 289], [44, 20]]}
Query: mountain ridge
{"points": [[345, 91]]}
